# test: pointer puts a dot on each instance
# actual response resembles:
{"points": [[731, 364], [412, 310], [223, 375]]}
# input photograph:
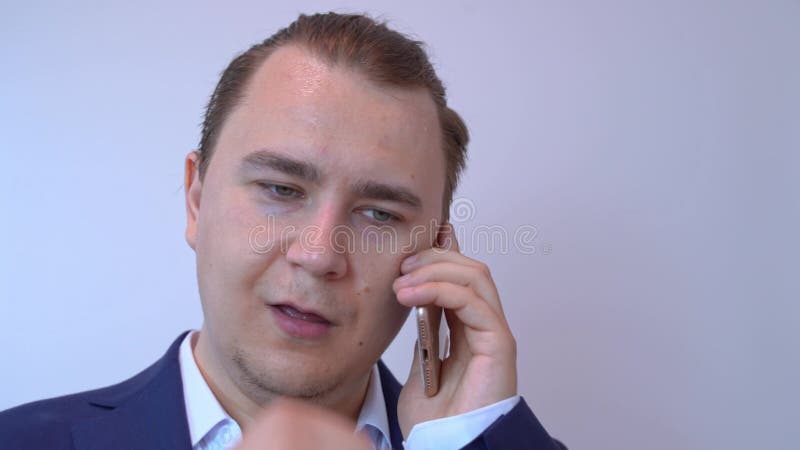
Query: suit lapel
{"points": [[145, 412], [148, 411]]}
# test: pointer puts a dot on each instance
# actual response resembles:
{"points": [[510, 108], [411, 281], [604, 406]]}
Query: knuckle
{"points": [[511, 345], [284, 412]]}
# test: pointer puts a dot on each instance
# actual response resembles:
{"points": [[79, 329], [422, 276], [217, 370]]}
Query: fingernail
{"points": [[404, 280], [405, 292]]}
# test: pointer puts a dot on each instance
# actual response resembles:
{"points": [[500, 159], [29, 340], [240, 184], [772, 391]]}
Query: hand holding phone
{"points": [[481, 366]]}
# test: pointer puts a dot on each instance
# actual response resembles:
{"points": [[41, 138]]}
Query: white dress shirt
{"points": [[210, 427]]}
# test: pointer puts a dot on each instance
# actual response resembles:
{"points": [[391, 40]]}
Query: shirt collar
{"points": [[204, 411], [373, 411]]}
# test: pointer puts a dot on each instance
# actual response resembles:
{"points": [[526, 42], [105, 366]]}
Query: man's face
{"points": [[339, 156]]}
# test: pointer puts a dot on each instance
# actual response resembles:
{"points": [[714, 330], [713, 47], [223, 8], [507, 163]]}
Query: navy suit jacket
{"points": [[147, 412]]}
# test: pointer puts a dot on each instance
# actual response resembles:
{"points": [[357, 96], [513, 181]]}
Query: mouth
{"points": [[300, 323]]}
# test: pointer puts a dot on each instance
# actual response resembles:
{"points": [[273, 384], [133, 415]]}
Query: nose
{"points": [[314, 247]]}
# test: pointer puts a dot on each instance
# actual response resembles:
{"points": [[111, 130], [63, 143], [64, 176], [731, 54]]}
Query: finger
{"points": [[472, 277], [475, 313], [432, 255], [446, 239], [288, 423]]}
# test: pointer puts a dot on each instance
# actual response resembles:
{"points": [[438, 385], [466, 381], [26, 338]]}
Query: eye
{"points": [[381, 216], [281, 191]]}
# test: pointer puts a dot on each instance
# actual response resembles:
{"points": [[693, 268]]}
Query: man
{"points": [[332, 129]]}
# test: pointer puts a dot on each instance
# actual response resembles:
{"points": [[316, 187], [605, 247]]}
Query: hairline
{"points": [[264, 53]]}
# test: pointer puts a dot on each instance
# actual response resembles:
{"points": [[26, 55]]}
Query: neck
{"points": [[346, 401]]}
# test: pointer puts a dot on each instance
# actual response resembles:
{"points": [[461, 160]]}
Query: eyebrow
{"points": [[265, 159], [387, 192]]}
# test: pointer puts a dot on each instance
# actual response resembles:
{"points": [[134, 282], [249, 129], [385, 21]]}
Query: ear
{"points": [[192, 188]]}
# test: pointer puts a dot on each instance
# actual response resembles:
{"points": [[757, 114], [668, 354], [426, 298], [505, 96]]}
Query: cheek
{"points": [[374, 277], [382, 317], [375, 271], [230, 251]]}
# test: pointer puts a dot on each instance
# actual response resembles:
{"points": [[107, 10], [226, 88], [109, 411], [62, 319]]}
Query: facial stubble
{"points": [[266, 385]]}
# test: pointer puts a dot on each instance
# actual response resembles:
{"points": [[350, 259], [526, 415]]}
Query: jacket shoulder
{"points": [[47, 423]]}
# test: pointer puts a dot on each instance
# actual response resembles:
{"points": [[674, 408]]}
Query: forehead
{"points": [[297, 103]]}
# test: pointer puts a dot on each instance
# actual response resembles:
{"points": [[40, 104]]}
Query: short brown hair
{"points": [[385, 56]]}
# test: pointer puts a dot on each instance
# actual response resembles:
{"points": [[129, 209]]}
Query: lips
{"points": [[297, 313], [298, 323]]}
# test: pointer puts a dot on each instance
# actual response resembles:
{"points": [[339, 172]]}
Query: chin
{"points": [[291, 374]]}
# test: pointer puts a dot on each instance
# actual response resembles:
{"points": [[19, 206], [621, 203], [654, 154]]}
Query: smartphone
{"points": [[430, 333], [429, 319]]}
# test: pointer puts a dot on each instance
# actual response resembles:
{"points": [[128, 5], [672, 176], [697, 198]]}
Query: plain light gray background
{"points": [[653, 146]]}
